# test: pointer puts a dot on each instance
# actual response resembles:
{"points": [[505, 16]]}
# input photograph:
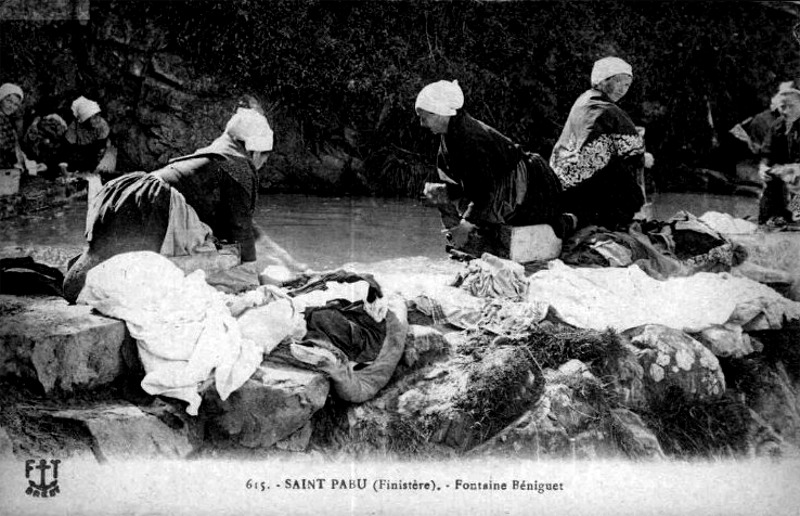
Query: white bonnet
{"points": [[609, 67], [441, 97], [252, 128], [83, 108]]}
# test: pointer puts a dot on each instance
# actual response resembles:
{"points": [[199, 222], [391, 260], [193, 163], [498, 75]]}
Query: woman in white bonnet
{"points": [[485, 180], [89, 139], [219, 182], [11, 97], [600, 154], [780, 165]]}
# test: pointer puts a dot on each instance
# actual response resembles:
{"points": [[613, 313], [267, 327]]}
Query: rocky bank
{"points": [[544, 390]]}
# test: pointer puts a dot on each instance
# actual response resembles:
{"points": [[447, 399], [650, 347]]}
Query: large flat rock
{"points": [[274, 403], [123, 432], [60, 346]]}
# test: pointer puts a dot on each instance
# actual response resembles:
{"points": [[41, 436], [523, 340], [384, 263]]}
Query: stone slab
{"points": [[60, 346], [274, 403], [124, 432], [530, 243]]}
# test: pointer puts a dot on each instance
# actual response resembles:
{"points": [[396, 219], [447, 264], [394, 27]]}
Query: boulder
{"points": [[574, 419], [124, 432], [423, 345], [6, 447], [62, 347], [532, 435], [443, 409], [763, 440], [777, 402], [275, 402], [635, 438], [569, 408], [298, 441], [727, 342], [464, 401], [671, 358], [629, 381]]}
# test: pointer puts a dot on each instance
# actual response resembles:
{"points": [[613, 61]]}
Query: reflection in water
{"points": [[326, 232]]}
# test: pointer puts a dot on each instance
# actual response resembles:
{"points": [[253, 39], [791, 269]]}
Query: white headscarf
{"points": [[789, 91], [775, 103], [252, 128], [609, 67], [10, 89], [441, 97], [83, 108]]}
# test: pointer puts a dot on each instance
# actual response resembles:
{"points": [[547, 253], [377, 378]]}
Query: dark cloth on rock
{"points": [[681, 246], [348, 327], [25, 277], [492, 180], [355, 382], [599, 159]]}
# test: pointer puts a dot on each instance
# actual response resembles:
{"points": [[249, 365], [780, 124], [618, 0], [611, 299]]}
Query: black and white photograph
{"points": [[391, 257]]}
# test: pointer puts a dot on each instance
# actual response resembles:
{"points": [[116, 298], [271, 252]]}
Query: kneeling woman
{"points": [[485, 179], [148, 211], [599, 157]]}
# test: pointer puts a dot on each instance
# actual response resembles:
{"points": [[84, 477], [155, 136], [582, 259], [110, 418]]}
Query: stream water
{"points": [[326, 232]]}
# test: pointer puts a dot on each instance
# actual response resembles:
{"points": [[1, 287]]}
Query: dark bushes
{"points": [[699, 67]]}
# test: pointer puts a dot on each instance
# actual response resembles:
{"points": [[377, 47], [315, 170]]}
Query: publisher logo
{"points": [[37, 473]]}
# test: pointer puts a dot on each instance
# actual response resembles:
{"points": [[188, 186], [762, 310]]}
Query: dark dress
{"points": [[87, 143], [491, 180], [222, 190], [781, 147], [8, 142], [599, 159], [132, 212]]}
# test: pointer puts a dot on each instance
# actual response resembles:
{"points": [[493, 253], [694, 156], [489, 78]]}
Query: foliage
{"points": [[711, 427], [554, 344], [359, 65]]}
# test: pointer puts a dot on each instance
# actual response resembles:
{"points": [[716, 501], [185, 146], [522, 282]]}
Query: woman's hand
{"points": [[436, 193]]}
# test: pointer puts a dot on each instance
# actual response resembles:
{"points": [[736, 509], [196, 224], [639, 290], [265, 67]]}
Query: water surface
{"points": [[326, 232]]}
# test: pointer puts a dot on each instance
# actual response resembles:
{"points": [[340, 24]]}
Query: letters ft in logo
{"points": [[43, 489]]}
